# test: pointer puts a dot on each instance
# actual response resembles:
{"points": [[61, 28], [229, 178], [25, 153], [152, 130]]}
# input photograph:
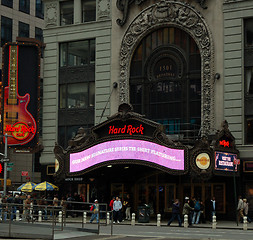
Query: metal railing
{"points": [[41, 216]]}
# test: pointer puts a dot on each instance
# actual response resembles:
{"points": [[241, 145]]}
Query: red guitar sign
{"points": [[18, 122]]}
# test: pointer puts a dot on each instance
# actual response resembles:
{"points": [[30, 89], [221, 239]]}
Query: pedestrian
{"points": [[202, 218], [246, 209], [213, 208], [240, 209], [187, 209], [127, 205], [27, 203], [95, 211], [117, 206], [111, 206], [196, 213], [175, 213]]}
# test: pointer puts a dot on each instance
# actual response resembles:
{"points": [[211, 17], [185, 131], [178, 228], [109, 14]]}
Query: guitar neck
{"points": [[13, 74]]}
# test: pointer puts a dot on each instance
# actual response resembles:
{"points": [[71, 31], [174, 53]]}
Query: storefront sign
{"points": [[225, 161], [130, 150], [128, 129], [224, 143], [203, 161]]}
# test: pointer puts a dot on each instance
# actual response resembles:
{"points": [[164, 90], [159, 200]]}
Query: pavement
{"points": [[74, 229]]}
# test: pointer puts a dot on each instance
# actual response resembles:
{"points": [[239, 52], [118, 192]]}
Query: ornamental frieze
{"points": [[124, 6], [185, 17]]}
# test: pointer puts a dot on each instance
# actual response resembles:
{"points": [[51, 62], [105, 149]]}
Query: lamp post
{"points": [[5, 160]]}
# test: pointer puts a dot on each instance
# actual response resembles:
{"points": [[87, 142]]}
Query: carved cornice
{"points": [[124, 5], [51, 14], [104, 9], [185, 17]]}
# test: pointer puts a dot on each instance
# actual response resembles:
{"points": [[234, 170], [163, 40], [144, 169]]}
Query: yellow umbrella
{"points": [[45, 186], [27, 187]]}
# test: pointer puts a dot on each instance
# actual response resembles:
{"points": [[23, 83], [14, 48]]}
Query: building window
{"points": [[89, 10], [6, 30], [77, 53], [165, 82], [24, 6], [248, 80], [39, 9], [39, 34], [67, 13], [77, 95], [23, 30], [7, 3]]}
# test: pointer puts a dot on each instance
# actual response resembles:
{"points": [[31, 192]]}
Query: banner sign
{"points": [[225, 161], [130, 150]]}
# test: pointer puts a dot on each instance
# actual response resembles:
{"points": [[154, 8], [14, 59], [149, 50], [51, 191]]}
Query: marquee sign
{"points": [[20, 82], [130, 150], [225, 161]]}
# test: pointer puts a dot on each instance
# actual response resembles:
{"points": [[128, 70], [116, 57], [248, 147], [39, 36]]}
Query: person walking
{"points": [[246, 209], [187, 210], [240, 209], [196, 213], [175, 213], [117, 206], [127, 205], [95, 211], [213, 208]]}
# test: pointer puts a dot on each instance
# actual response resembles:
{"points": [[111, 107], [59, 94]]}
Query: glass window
{"points": [[249, 130], [77, 95], [248, 32], [23, 30], [249, 80], [7, 3], [89, 10], [77, 53], [67, 12], [24, 6], [39, 34], [39, 9], [6, 30]]}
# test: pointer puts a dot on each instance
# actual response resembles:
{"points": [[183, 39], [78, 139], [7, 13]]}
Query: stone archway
{"points": [[184, 16]]}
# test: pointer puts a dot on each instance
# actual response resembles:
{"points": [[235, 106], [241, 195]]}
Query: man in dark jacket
{"points": [[175, 213]]}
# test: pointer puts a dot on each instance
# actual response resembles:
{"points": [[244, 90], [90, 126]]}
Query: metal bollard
{"points": [[214, 223], [186, 224], [158, 220], [108, 218], [40, 216], [84, 217], [133, 219], [17, 215], [245, 223], [60, 217]]}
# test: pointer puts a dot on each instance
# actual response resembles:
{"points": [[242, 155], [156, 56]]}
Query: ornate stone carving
{"points": [[124, 5], [104, 9], [51, 14], [184, 16]]}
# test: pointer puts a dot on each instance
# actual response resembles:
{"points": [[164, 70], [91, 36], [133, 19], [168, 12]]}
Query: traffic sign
{"points": [[10, 164], [9, 169], [24, 173]]}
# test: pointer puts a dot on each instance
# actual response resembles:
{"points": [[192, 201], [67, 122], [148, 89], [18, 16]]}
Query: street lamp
{"points": [[5, 160]]}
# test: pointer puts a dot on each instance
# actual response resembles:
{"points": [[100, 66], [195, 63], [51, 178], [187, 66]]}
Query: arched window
{"points": [[165, 81]]}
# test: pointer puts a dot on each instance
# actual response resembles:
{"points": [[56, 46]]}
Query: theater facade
{"points": [[148, 98]]}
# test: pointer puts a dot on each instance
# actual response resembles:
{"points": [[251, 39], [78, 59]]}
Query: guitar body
{"points": [[18, 122]]}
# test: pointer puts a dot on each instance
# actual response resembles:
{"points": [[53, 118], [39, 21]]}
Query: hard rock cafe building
{"points": [[135, 94]]}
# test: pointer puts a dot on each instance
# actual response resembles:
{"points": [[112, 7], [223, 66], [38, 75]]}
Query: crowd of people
{"points": [[73, 205]]}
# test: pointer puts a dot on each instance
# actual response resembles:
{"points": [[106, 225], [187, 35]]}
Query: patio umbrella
{"points": [[46, 186], [27, 187]]}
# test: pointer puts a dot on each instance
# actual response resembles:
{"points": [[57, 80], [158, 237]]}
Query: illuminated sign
{"points": [[225, 161], [224, 143], [128, 129], [248, 166], [130, 150], [203, 161], [20, 80]]}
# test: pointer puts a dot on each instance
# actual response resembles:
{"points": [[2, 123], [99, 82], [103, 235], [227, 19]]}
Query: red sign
{"points": [[237, 162], [1, 168], [128, 129], [224, 143], [24, 173]]}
